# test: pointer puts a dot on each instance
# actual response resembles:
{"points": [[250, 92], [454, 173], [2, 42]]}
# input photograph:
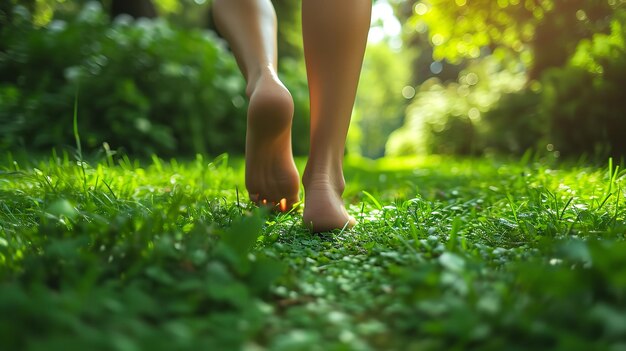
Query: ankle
{"points": [[324, 177], [258, 75]]}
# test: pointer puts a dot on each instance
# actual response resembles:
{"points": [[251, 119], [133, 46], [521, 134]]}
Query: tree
{"points": [[544, 33], [134, 8]]}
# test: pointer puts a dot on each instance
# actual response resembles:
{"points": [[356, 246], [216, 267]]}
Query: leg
{"points": [[250, 28], [335, 34]]}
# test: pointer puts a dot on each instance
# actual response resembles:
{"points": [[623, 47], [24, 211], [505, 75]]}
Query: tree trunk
{"points": [[134, 8]]}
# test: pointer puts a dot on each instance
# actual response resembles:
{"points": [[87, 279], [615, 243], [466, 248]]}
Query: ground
{"points": [[448, 254]]}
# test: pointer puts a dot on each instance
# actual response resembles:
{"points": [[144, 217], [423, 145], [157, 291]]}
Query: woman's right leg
{"points": [[249, 26], [335, 34]]}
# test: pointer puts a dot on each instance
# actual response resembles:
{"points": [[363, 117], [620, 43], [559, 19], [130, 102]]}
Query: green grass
{"points": [[449, 254]]}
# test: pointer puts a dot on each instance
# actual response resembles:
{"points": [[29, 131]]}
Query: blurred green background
{"points": [[468, 77]]}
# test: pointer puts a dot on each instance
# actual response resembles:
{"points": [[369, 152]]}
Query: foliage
{"points": [[576, 109], [43, 11], [448, 118], [379, 106], [559, 47], [585, 99], [289, 16], [292, 73], [516, 123], [448, 254], [144, 86], [118, 259], [551, 29]]}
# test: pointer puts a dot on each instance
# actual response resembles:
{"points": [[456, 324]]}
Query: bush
{"points": [[448, 119], [579, 108], [515, 124], [142, 85], [586, 99]]}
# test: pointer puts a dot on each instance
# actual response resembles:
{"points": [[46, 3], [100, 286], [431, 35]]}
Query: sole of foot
{"points": [[271, 175]]}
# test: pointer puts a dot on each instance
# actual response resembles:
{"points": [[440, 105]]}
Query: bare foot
{"points": [[271, 175], [323, 206]]}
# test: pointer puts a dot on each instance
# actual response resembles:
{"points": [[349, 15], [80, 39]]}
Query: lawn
{"points": [[449, 254]]}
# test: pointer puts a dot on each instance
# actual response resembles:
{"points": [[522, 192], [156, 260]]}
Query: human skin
{"points": [[335, 34], [249, 26]]}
